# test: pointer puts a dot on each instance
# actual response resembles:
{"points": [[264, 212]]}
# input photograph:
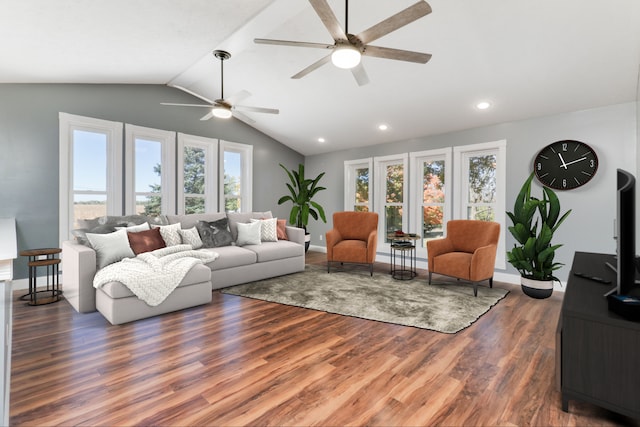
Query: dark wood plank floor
{"points": [[239, 361]]}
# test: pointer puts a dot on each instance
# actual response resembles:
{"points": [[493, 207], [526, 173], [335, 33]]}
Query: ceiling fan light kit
{"points": [[221, 112], [345, 56]]}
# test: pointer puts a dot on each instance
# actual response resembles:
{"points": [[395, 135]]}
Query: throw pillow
{"points": [[268, 229], [111, 247], [146, 241], [249, 234], [282, 229], [215, 233], [191, 237], [135, 228], [170, 234]]}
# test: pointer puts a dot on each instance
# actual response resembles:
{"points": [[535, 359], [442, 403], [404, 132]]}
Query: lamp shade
{"points": [[345, 56], [221, 112]]}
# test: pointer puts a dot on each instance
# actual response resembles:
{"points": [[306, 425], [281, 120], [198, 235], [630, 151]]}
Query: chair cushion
{"points": [[455, 264], [350, 251]]}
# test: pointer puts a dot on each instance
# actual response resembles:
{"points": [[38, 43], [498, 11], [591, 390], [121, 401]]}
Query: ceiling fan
{"points": [[224, 108], [348, 48]]}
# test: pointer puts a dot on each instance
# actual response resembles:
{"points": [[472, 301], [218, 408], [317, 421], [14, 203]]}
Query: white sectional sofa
{"points": [[234, 265]]}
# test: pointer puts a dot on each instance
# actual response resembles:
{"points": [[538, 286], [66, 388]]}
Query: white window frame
{"points": [[416, 160], [380, 165], [246, 174], [167, 139], [350, 167], [210, 148], [113, 130], [460, 156]]}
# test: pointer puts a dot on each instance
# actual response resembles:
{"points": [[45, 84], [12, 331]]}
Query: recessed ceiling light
{"points": [[483, 105], [321, 139], [383, 127]]}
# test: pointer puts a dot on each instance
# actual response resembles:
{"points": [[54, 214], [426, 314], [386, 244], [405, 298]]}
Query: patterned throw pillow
{"points": [[215, 233], [268, 229], [146, 241], [170, 234], [191, 237], [249, 234], [282, 230]]}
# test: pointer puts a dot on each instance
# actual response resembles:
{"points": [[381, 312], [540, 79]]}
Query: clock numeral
{"points": [[539, 165], [592, 163], [564, 146], [564, 183]]}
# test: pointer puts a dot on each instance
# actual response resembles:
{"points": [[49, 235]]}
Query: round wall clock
{"points": [[565, 165]]}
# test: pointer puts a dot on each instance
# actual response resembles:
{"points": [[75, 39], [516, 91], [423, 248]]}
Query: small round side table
{"points": [[404, 246], [52, 263]]}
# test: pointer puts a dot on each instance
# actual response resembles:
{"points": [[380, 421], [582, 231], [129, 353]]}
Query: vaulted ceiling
{"points": [[526, 58]]}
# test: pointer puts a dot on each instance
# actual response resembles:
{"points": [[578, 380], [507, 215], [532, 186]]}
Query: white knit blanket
{"points": [[152, 276]]}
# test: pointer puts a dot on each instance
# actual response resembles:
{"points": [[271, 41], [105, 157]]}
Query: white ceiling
{"points": [[528, 58]]}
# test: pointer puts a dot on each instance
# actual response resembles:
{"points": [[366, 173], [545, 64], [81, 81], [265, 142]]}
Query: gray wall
{"points": [[29, 147], [611, 131]]}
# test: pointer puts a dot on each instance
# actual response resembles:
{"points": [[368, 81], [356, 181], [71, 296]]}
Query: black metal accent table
{"points": [[52, 263], [403, 249]]}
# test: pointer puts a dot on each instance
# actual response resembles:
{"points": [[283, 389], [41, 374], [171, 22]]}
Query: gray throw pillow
{"points": [[215, 233]]}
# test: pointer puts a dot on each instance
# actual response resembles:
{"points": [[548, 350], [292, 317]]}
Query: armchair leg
{"points": [[371, 269], [475, 289], [491, 282], [328, 266], [429, 277]]}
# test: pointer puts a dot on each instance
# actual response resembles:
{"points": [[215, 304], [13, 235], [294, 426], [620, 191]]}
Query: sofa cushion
{"points": [[111, 247], [199, 273], [146, 241], [191, 220], [269, 251], [215, 233], [232, 256]]}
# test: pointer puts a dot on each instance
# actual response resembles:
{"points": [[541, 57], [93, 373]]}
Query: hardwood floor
{"points": [[239, 361]]}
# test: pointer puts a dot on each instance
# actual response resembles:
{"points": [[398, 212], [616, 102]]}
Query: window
{"points": [[236, 176], [480, 186], [391, 185], [197, 177], [357, 194], [430, 180], [150, 171], [90, 170]]}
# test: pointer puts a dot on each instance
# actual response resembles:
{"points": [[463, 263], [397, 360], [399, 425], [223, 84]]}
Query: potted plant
{"points": [[533, 254], [301, 191]]}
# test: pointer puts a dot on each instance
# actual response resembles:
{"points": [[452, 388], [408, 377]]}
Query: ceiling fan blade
{"points": [[329, 19], [190, 92], [397, 54], [360, 74], [184, 105], [396, 21], [207, 116], [238, 97], [294, 43], [241, 116], [257, 109], [319, 63]]}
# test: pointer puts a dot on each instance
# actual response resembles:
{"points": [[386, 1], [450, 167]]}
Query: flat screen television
{"points": [[626, 235]]}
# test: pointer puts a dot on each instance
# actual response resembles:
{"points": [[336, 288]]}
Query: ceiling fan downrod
{"points": [[222, 55]]}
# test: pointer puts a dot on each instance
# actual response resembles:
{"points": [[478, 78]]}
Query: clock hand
{"points": [[564, 165], [574, 161]]}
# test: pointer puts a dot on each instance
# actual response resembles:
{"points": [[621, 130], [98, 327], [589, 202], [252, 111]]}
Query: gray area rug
{"points": [[447, 308]]}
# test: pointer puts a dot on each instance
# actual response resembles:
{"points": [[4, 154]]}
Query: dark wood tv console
{"points": [[598, 351]]}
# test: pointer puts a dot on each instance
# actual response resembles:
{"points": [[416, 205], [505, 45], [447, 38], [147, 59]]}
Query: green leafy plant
{"points": [[302, 190], [533, 255]]}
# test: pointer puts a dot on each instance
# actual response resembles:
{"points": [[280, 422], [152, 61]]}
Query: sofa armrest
{"points": [[78, 269], [295, 234]]}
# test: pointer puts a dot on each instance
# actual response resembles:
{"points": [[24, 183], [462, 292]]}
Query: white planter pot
{"points": [[536, 288]]}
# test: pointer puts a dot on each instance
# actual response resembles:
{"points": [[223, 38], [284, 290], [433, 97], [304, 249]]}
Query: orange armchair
{"points": [[353, 239], [468, 252]]}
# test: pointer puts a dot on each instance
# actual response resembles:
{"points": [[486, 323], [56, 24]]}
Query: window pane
{"points": [[362, 185], [432, 222], [194, 170], [194, 205], [232, 180], [482, 179], [89, 161], [361, 209], [433, 182], [395, 179], [482, 213], [149, 205], [393, 219], [88, 207], [148, 158]]}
